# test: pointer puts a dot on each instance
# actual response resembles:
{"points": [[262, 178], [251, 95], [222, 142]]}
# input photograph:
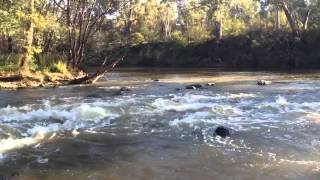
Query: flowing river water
{"points": [[156, 131]]}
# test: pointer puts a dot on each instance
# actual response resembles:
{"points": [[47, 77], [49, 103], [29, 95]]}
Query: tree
{"points": [[83, 18], [28, 48]]}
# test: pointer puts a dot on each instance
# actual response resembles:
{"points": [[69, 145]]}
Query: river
{"points": [[160, 130]]}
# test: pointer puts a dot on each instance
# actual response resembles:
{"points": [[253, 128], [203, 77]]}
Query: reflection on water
{"points": [[157, 132]]}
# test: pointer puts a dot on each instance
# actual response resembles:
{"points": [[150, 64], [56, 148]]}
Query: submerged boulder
{"points": [[94, 96], [194, 86], [263, 82], [125, 89], [222, 131]]}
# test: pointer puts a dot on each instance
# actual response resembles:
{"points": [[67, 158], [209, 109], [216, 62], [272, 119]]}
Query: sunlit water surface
{"points": [[155, 131]]}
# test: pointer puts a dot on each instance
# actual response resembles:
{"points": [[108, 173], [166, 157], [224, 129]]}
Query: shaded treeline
{"points": [[277, 50]]}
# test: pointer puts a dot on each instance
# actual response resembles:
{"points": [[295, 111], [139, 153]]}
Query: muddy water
{"points": [[157, 132]]}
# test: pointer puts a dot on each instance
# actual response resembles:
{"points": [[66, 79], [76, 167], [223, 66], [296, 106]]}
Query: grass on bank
{"points": [[45, 63]]}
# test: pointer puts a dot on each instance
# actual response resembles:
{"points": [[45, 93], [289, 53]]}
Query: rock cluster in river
{"points": [[263, 82], [197, 86]]}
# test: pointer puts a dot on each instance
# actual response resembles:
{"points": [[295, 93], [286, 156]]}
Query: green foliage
{"points": [[60, 67], [137, 38], [178, 37], [234, 27], [52, 63], [9, 62], [198, 34], [10, 59]]}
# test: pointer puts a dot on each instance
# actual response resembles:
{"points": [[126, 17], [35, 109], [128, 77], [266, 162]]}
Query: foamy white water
{"points": [[154, 128]]}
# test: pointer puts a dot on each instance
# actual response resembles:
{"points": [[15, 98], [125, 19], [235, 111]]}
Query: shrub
{"points": [[60, 67], [137, 38], [178, 37]]}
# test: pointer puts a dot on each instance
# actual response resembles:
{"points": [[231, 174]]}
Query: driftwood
{"points": [[92, 78]]}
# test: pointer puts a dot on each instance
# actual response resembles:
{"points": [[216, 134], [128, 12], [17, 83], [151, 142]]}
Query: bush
{"points": [[9, 62], [49, 60], [137, 38], [60, 67], [178, 37], [10, 59]]}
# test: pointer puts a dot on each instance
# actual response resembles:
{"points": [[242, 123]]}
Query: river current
{"points": [[160, 130]]}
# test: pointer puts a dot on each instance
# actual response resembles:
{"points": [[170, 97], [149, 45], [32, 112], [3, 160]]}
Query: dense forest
{"points": [[66, 36]]}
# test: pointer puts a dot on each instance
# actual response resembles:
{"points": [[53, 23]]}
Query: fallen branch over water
{"points": [[90, 79]]}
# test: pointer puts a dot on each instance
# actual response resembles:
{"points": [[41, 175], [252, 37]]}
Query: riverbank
{"points": [[254, 50], [36, 79]]}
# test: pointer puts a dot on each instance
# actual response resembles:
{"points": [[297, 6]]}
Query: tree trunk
{"points": [[28, 49], [10, 45], [293, 25], [219, 30], [277, 18], [90, 79], [305, 23]]}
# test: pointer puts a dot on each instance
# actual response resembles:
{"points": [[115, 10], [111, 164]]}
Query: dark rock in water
{"points": [[125, 89], [178, 89], [263, 82], [222, 131], [94, 96], [156, 80], [194, 86], [210, 84], [118, 93], [190, 87]]}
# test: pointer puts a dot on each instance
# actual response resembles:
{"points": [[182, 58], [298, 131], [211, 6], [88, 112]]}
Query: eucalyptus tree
{"points": [[222, 11], [82, 19]]}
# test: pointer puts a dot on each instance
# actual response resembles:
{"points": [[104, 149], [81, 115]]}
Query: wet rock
{"points": [[263, 82], [156, 80], [222, 131], [125, 89], [210, 84], [118, 93], [94, 96], [194, 86]]}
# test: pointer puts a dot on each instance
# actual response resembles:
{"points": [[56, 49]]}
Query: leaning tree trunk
{"points": [[305, 23], [92, 78], [293, 25]]}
